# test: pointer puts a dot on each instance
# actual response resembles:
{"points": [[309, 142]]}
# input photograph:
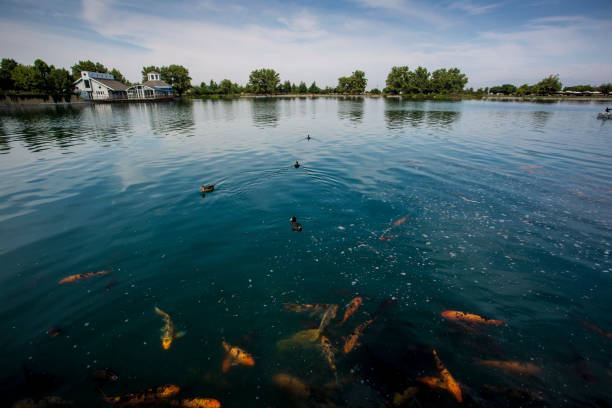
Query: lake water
{"points": [[501, 209]]}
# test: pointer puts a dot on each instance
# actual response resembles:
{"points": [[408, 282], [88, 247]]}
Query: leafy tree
{"points": [[24, 77], [302, 88], [355, 84], [263, 81], [286, 87], [397, 79], [314, 89], [213, 88], [41, 71], [6, 71], [87, 66], [177, 76], [524, 89], [119, 77], [549, 85], [605, 88], [59, 84], [419, 81], [375, 91], [146, 70], [226, 87]]}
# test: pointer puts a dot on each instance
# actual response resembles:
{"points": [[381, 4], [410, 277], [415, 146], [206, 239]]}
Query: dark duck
{"points": [[296, 165], [296, 226]]}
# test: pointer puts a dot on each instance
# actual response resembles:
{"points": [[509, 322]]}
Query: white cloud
{"points": [[472, 8]]}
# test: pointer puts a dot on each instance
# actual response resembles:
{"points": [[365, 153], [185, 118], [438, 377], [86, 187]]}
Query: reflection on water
{"points": [[500, 210], [400, 113], [265, 112], [351, 108]]}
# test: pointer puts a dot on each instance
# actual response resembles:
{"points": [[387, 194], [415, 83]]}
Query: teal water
{"points": [[508, 212]]}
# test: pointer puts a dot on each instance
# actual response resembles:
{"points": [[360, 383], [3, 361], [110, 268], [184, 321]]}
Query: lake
{"points": [[498, 209]]}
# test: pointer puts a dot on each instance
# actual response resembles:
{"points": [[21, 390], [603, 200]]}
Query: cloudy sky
{"points": [[493, 42]]}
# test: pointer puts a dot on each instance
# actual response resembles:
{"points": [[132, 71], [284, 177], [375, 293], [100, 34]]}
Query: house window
{"points": [[86, 83]]}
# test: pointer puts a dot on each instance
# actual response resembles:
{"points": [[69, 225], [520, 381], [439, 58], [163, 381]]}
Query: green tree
{"points": [[87, 66], [24, 78], [146, 70], [302, 88], [6, 71], [314, 89], [119, 77], [397, 79], [419, 81], [355, 84], [549, 85], [59, 84], [263, 81], [226, 87], [41, 71], [524, 89], [177, 76], [375, 91], [286, 87], [605, 88]]}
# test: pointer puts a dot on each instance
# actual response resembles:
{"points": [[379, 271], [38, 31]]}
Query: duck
{"points": [[308, 137], [296, 165], [296, 226], [207, 189]]}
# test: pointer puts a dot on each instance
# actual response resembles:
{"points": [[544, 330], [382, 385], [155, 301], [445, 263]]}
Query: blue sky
{"points": [[493, 42]]}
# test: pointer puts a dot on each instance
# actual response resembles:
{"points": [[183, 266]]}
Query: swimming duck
{"points": [[308, 137], [296, 165], [207, 189], [296, 226]]}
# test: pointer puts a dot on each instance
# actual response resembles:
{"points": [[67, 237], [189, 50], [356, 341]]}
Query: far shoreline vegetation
{"points": [[43, 81]]}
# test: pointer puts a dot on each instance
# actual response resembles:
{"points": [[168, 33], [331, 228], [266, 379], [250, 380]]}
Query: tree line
{"points": [[46, 81], [547, 86]]}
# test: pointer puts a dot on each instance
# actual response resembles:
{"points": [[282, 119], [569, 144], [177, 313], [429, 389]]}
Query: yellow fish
{"points": [[235, 356], [148, 396], [168, 333], [328, 353], [444, 380]]}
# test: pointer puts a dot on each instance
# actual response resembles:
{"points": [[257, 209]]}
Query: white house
{"points": [[99, 86], [153, 88]]}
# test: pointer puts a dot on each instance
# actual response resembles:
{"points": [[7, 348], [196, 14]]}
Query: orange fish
{"points": [[444, 380], [352, 339], [597, 329], [314, 309], [388, 237], [513, 367], [352, 308], [200, 403], [400, 221], [81, 276], [470, 318], [148, 396], [235, 356], [328, 353]]}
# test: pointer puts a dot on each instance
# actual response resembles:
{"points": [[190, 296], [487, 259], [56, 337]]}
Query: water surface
{"points": [[508, 215]]}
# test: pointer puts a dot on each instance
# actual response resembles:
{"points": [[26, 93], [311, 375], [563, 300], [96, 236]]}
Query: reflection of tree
{"points": [[4, 140], [442, 118], [171, 117], [351, 108], [265, 112], [540, 118], [400, 113]]}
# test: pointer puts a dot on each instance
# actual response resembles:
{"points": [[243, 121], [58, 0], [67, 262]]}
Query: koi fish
{"points": [[470, 318], [168, 333], [444, 380], [388, 237], [81, 276], [513, 367], [328, 353], [313, 309], [148, 396], [352, 339], [200, 403], [291, 384], [515, 393], [597, 329], [352, 308], [400, 221], [328, 316], [235, 356]]}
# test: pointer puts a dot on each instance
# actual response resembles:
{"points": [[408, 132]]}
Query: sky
{"points": [[492, 42]]}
